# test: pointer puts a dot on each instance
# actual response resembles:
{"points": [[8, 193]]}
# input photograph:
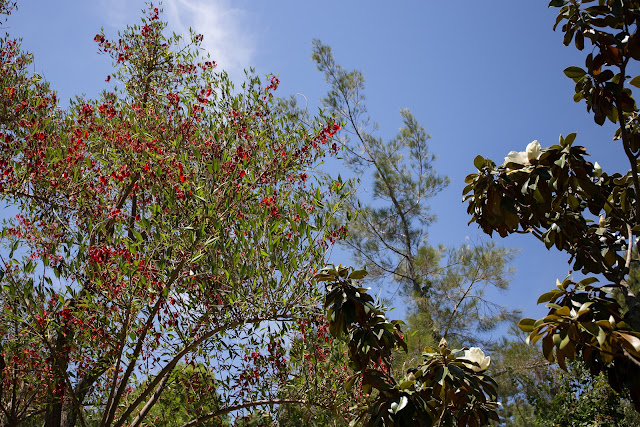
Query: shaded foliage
{"points": [[571, 204], [446, 388]]}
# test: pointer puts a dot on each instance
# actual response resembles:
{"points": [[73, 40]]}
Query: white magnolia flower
{"points": [[475, 354], [532, 152], [517, 157]]}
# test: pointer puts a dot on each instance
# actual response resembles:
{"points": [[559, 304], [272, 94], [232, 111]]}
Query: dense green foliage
{"points": [[171, 222], [534, 392], [163, 245], [571, 204], [578, 398], [190, 391], [446, 388]]}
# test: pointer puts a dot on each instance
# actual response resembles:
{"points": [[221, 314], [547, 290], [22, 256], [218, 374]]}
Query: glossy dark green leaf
{"points": [[358, 274], [527, 325], [478, 162], [635, 81], [548, 296]]}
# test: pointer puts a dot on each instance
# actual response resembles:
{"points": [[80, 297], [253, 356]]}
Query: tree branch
{"points": [[265, 402]]}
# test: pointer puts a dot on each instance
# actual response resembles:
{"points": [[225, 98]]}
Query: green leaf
{"points": [[211, 240], [588, 281], [547, 348], [527, 325], [635, 81], [478, 162], [197, 257], [379, 333], [565, 339], [349, 384], [609, 256], [13, 248], [406, 384], [594, 330], [441, 375], [358, 274], [366, 388], [579, 40], [403, 402], [574, 72], [456, 371], [568, 140], [548, 296]]}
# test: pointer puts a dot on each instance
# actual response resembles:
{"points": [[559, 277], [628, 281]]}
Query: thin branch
{"points": [[141, 337], [629, 247], [154, 398], [455, 309], [525, 367], [174, 361], [265, 402]]}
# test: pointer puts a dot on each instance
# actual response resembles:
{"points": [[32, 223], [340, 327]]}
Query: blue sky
{"points": [[482, 78]]}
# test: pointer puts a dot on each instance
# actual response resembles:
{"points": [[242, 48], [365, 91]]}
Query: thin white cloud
{"points": [[227, 35], [120, 13], [226, 29]]}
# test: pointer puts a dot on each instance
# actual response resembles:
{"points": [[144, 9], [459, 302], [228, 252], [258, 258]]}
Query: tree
{"points": [[520, 372], [388, 234], [533, 392], [565, 201], [388, 237], [173, 222], [578, 398], [191, 390], [447, 387]]}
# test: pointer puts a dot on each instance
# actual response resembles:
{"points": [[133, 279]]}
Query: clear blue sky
{"points": [[482, 78]]}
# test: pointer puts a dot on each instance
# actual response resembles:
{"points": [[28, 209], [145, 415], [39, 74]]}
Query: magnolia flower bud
{"points": [[533, 150], [597, 169], [475, 354]]}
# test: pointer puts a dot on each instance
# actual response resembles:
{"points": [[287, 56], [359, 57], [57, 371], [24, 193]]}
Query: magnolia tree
{"points": [[567, 202], [172, 222], [445, 388]]}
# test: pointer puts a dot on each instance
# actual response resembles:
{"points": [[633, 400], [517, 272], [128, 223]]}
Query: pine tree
{"points": [[388, 233]]}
